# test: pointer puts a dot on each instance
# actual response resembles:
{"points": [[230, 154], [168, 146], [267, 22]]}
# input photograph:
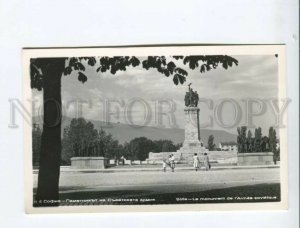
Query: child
{"points": [[172, 162]]}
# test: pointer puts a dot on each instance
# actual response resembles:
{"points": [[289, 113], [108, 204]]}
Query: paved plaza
{"points": [[165, 182]]}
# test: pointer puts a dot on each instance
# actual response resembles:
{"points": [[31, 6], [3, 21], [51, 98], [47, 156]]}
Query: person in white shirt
{"points": [[164, 165], [172, 162], [196, 161]]}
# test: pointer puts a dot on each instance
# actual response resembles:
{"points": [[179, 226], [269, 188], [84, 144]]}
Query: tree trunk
{"points": [[49, 170]]}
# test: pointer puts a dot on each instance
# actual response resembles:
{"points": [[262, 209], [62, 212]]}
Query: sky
{"points": [[135, 93]]}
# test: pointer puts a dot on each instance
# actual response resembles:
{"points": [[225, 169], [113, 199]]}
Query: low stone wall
{"points": [[223, 157], [136, 162], [258, 158], [157, 158], [113, 162], [127, 162], [216, 157], [89, 163]]}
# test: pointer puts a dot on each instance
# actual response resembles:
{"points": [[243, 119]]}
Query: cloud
{"points": [[255, 76]]}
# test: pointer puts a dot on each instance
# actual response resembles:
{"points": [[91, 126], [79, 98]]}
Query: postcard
{"points": [[155, 128]]}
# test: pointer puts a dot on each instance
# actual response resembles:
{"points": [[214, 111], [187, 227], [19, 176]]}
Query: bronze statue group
{"points": [[198, 162], [191, 98]]}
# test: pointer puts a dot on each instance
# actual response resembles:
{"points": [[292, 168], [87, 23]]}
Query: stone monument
{"points": [[89, 156], [192, 141]]}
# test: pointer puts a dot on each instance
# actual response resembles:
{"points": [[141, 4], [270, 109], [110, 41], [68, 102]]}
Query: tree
{"points": [[36, 144], [265, 144], [210, 143], [80, 138], [46, 73], [126, 151], [249, 142], [140, 148], [244, 139], [111, 147], [241, 139], [164, 145], [167, 146], [258, 140], [178, 146], [273, 143], [67, 148], [272, 139], [277, 155]]}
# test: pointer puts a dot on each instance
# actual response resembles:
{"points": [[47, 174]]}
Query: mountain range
{"points": [[125, 133]]}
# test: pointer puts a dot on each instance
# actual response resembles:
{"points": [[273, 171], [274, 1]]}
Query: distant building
{"points": [[228, 146]]}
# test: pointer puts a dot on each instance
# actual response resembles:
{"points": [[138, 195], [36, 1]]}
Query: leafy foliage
{"points": [[162, 64], [258, 140], [273, 144], [36, 144], [81, 77], [35, 75], [241, 139], [80, 138], [210, 143], [258, 143], [250, 142], [209, 62]]}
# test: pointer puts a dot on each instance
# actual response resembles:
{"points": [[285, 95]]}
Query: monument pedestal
{"points": [[192, 143]]}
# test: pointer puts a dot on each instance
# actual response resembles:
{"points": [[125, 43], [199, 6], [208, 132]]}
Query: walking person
{"points": [[206, 162], [116, 161], [196, 161], [164, 165], [172, 162], [123, 160]]}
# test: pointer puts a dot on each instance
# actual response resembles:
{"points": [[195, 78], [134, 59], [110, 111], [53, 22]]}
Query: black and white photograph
{"points": [[199, 126], [181, 114]]}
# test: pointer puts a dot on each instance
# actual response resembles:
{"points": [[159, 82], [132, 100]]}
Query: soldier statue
{"points": [[191, 98]]}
